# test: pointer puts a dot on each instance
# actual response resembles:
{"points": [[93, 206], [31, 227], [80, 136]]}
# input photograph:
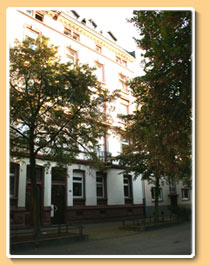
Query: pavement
{"points": [[107, 239]]}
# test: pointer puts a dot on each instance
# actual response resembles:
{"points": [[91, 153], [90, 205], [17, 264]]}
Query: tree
{"points": [[159, 131], [55, 108]]}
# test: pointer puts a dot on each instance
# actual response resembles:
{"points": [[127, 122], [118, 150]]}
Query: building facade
{"points": [[80, 193]]}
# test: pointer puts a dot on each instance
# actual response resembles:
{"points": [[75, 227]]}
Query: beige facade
{"points": [[106, 195]]}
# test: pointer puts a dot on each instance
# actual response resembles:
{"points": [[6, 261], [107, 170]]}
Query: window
{"points": [[98, 48], [124, 63], [29, 33], [76, 36], [32, 35], [160, 194], [122, 83], [39, 16], [100, 185], [124, 145], [58, 174], [71, 55], [123, 109], [101, 191], [67, 32], [39, 173], [99, 72], [29, 12], [118, 59], [127, 186], [185, 194], [121, 61], [78, 185], [14, 172]]}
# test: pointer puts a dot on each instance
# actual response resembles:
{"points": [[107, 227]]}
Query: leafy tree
{"points": [[56, 109], [159, 130]]}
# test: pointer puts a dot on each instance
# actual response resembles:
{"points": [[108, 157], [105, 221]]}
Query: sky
{"points": [[113, 19]]}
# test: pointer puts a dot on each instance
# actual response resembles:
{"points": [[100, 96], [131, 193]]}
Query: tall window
{"points": [[185, 194], [123, 109], [32, 35], [67, 31], [127, 186], [99, 72], [76, 36], [71, 55], [59, 174], [39, 173], [14, 172], [122, 83], [160, 198], [98, 48], [78, 184], [124, 145], [100, 185]]}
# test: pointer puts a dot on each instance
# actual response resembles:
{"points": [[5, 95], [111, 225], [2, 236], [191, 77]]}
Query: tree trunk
{"points": [[157, 192], [35, 198]]}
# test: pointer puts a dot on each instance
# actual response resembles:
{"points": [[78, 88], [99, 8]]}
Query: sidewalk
{"points": [[108, 239]]}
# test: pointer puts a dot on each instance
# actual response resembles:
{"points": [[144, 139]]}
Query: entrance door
{"points": [[58, 202], [173, 201]]}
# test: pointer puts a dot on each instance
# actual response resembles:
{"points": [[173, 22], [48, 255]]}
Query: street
{"points": [[175, 240]]}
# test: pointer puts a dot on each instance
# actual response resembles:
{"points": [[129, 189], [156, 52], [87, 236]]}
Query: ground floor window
{"points": [[99, 185], [160, 194], [127, 183], [185, 194], [78, 184]]}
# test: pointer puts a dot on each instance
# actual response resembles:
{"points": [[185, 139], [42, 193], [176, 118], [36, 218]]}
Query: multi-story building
{"points": [[81, 193]]}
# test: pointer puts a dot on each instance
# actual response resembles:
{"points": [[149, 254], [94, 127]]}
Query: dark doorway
{"points": [[58, 197], [173, 201], [58, 202]]}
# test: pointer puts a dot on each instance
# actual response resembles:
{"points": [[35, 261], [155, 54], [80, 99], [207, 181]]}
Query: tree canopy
{"points": [[56, 109], [159, 131], [57, 106]]}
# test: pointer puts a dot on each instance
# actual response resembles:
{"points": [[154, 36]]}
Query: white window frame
{"points": [[71, 55], [184, 198], [160, 194], [78, 179], [127, 184], [101, 184], [99, 72]]}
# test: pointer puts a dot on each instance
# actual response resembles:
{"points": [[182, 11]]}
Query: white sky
{"points": [[113, 19]]}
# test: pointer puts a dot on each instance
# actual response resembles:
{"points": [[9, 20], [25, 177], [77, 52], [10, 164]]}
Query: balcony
{"points": [[104, 156]]}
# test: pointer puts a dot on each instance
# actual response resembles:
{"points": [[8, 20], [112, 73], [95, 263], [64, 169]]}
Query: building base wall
{"points": [[103, 213], [81, 214], [163, 209]]}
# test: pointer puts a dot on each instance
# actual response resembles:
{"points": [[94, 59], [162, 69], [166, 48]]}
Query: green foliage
{"points": [[56, 108], [159, 131]]}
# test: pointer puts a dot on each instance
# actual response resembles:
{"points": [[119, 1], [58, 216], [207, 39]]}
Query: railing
{"points": [[57, 230], [104, 156], [143, 222]]}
